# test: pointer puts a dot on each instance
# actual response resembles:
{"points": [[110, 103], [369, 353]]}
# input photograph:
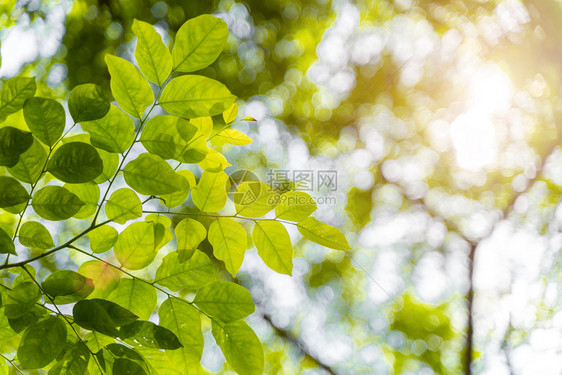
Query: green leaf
{"points": [[123, 205], [67, 286], [75, 162], [11, 192], [28, 318], [6, 244], [13, 143], [195, 96], [105, 277], [204, 124], [150, 335], [322, 234], [229, 242], [89, 193], [87, 102], [254, 199], [21, 298], [177, 198], [151, 175], [225, 301], [102, 238], [199, 42], [34, 234], [211, 191], [42, 342], [274, 245], [136, 296], [101, 316], [230, 114], [240, 346], [295, 206], [45, 118], [117, 359], [96, 341], [190, 233], [14, 93], [114, 132], [162, 232], [30, 165], [183, 320], [153, 57], [214, 161], [168, 137], [110, 164], [131, 91], [74, 362], [234, 137], [191, 274], [136, 246], [56, 203]]}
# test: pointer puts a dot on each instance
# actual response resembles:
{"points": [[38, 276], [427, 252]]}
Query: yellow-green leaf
{"points": [[240, 346], [34, 234], [295, 206], [229, 242], [225, 301], [274, 245], [153, 57], [323, 234], [210, 194], [114, 132], [123, 205]]}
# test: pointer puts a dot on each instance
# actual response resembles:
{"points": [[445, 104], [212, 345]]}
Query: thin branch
{"points": [[11, 362], [292, 339]]}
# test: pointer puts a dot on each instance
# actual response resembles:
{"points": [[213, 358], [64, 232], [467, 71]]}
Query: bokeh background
{"points": [[442, 122]]}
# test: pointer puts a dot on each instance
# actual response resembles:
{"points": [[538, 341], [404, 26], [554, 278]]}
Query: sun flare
{"points": [[473, 133]]}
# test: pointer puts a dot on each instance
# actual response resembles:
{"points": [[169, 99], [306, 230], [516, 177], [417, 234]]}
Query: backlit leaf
{"points": [[229, 242], [254, 198], [230, 114], [56, 203], [110, 164], [13, 143], [14, 93], [135, 247], [30, 164], [225, 301], [75, 162], [135, 296], [295, 206], [34, 234], [6, 244], [195, 96], [194, 273], [214, 161], [322, 234], [150, 335], [101, 316], [240, 346], [11, 192], [21, 298], [274, 245], [153, 57], [87, 102], [42, 342], [199, 41], [114, 132], [117, 359], [45, 118], [105, 277], [131, 91], [235, 137], [89, 193], [211, 191], [102, 238], [177, 198], [189, 233], [167, 136], [67, 286], [74, 362], [151, 175], [123, 205]]}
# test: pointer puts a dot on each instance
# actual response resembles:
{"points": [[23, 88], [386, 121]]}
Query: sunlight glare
{"points": [[474, 140]]}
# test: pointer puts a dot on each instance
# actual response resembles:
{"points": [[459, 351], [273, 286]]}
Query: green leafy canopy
{"points": [[86, 187]]}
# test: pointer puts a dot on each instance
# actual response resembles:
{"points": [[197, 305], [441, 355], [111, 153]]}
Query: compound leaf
{"points": [[153, 57]]}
